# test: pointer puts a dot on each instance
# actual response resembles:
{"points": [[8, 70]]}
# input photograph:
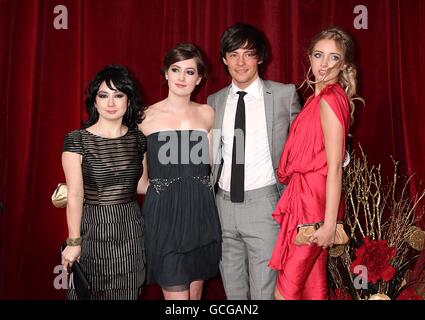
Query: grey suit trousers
{"points": [[249, 235]]}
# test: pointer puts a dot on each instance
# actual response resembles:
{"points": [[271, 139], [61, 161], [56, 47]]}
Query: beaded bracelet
{"points": [[73, 242]]}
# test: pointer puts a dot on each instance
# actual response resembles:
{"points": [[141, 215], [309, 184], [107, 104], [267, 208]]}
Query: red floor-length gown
{"points": [[303, 167]]}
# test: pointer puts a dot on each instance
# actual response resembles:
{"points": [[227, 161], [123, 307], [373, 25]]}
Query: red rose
{"points": [[409, 294], [374, 255]]}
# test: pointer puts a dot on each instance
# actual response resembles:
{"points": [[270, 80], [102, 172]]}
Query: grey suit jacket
{"points": [[281, 107]]}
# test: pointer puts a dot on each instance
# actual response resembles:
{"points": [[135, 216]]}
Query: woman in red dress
{"points": [[311, 166]]}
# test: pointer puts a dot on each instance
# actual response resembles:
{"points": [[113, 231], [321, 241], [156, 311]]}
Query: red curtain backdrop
{"points": [[44, 72]]}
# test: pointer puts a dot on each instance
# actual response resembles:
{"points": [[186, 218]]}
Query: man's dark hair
{"points": [[244, 36]]}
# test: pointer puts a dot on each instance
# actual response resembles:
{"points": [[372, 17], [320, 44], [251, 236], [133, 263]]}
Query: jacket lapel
{"points": [[268, 105], [221, 107], [220, 104]]}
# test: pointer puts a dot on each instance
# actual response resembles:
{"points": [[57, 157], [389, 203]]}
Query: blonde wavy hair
{"points": [[347, 78]]}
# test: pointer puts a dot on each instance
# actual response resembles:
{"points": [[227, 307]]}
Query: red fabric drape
{"points": [[44, 72]]}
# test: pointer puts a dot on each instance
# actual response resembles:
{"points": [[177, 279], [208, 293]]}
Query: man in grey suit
{"points": [[254, 116]]}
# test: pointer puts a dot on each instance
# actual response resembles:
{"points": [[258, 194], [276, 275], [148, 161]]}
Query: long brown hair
{"points": [[347, 78]]}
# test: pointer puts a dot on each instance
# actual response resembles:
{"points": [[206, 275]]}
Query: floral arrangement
{"points": [[386, 242]]}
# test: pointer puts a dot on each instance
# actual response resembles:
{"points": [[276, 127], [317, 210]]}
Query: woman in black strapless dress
{"points": [[182, 228]]}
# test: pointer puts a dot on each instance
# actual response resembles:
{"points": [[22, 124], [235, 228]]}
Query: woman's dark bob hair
{"points": [[118, 76]]}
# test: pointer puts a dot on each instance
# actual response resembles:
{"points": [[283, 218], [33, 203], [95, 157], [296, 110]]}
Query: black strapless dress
{"points": [[182, 228]]}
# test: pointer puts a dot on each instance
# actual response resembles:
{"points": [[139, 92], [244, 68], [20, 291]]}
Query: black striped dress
{"points": [[112, 250]]}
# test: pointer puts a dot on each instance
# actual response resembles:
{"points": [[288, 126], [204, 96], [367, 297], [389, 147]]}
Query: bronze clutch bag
{"points": [[60, 195], [306, 230]]}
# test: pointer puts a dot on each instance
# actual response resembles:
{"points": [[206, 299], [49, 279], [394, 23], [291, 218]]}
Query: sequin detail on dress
{"points": [[161, 184]]}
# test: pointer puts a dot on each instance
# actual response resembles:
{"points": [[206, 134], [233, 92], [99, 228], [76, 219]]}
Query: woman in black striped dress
{"points": [[102, 165]]}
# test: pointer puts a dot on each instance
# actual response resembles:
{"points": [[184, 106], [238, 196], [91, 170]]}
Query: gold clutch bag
{"points": [[306, 230], [60, 195]]}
